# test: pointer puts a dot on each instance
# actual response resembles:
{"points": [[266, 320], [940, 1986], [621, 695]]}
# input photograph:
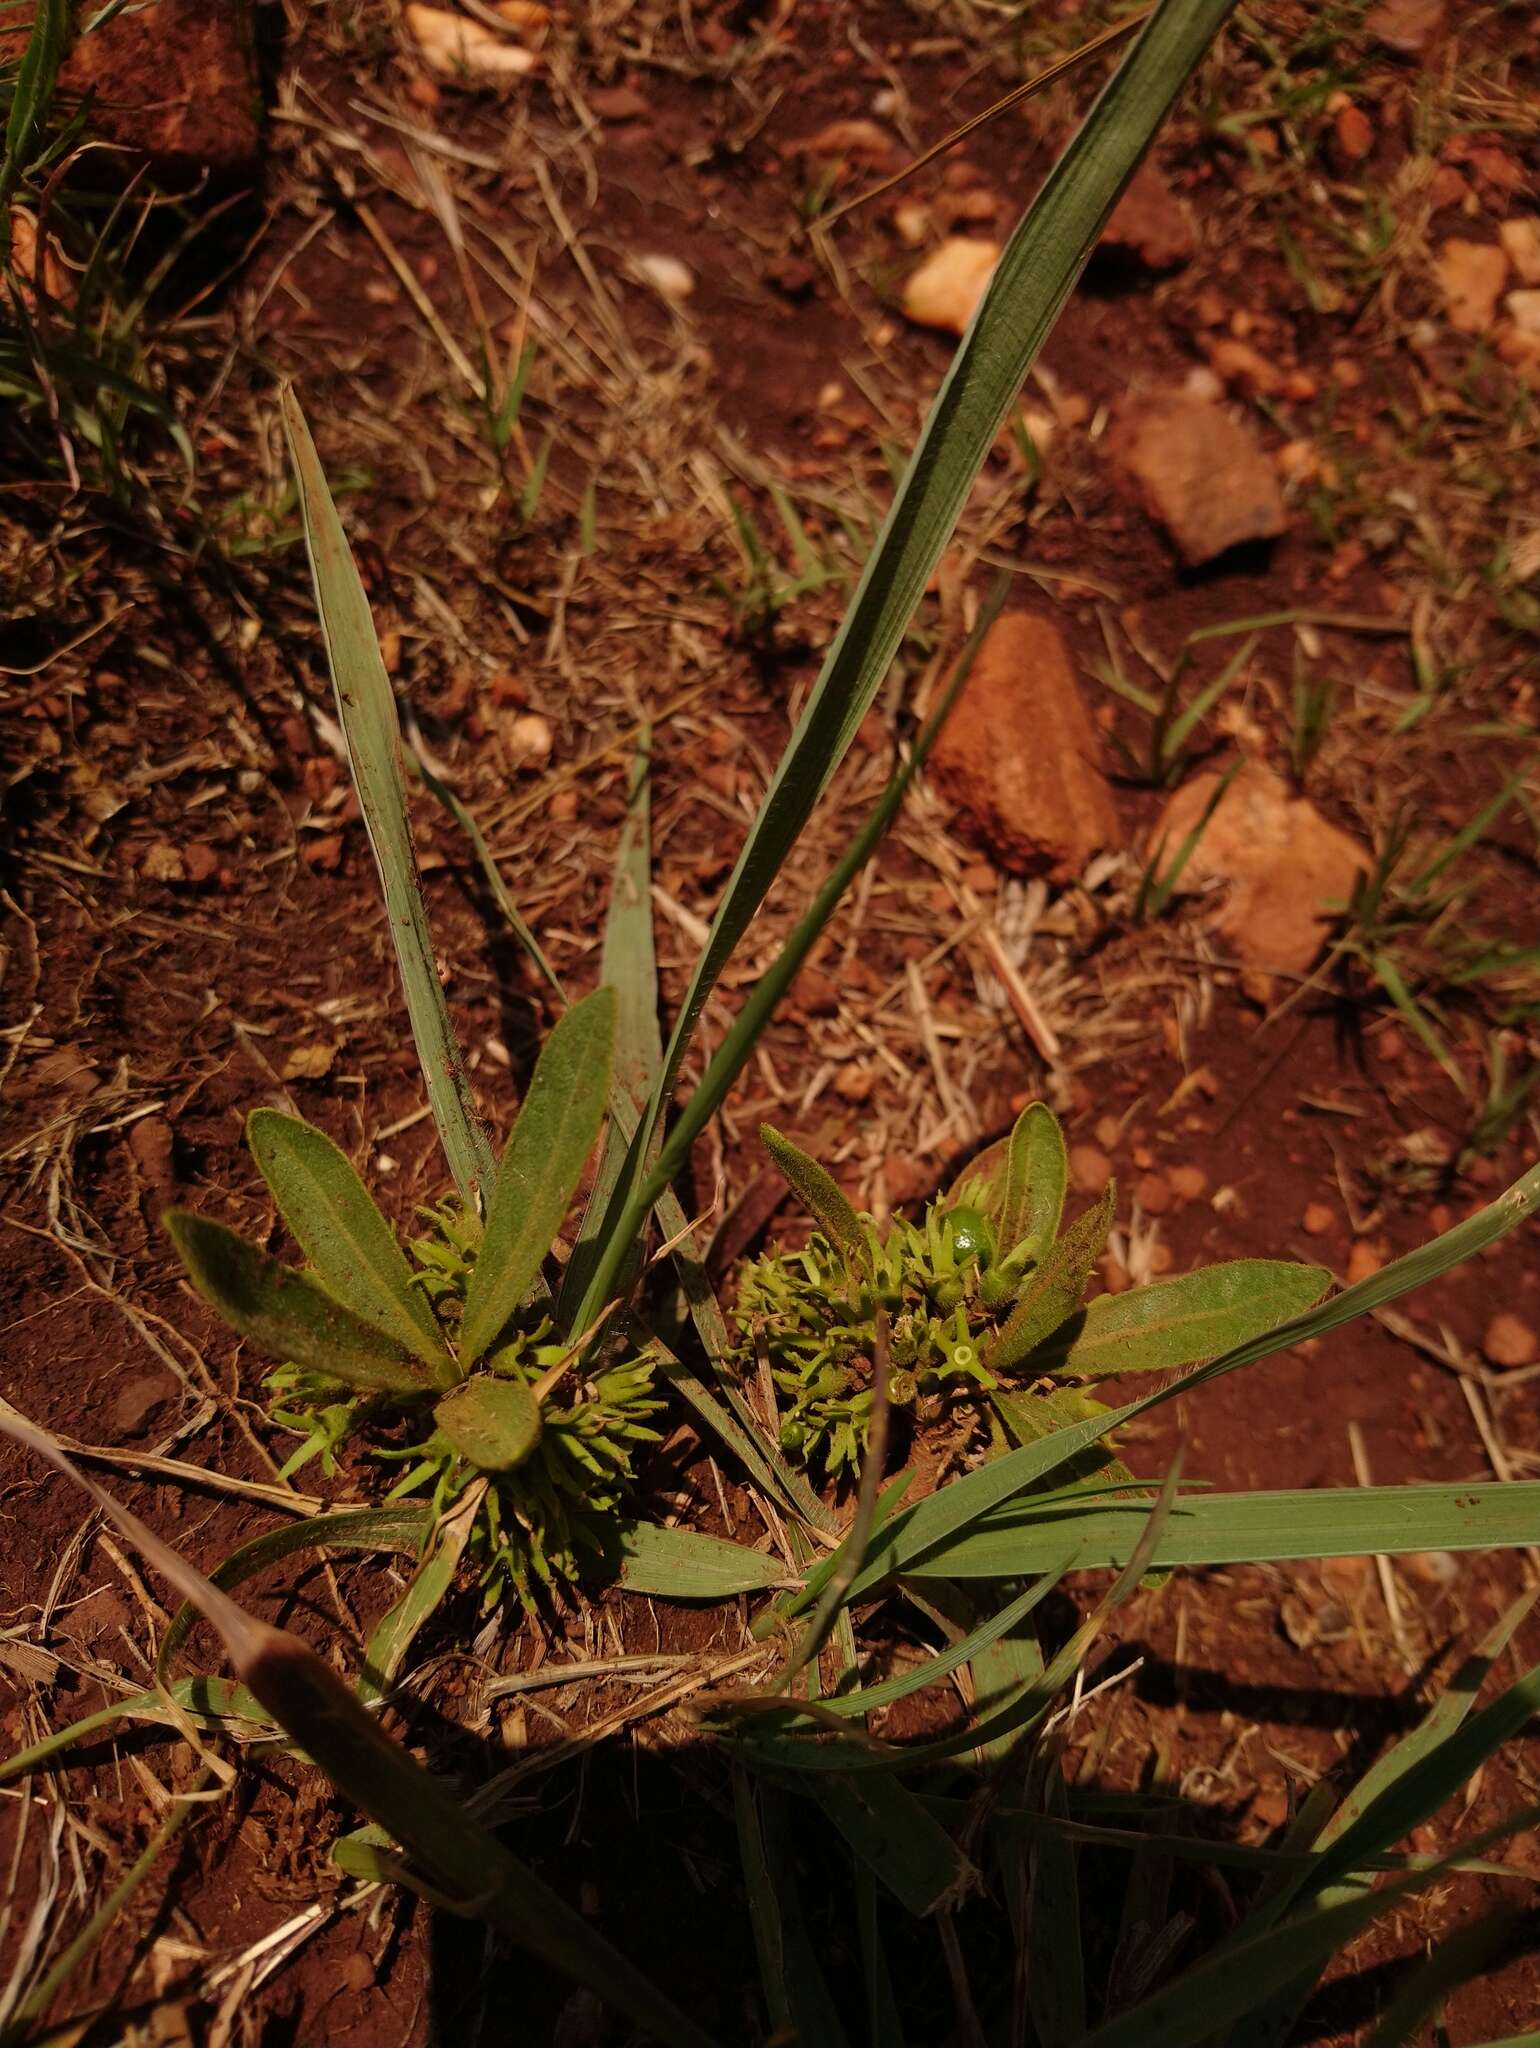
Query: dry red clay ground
{"points": [[1326, 282]]}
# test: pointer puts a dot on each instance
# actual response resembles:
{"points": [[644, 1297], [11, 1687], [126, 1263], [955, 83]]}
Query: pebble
{"points": [[1362, 1261], [1510, 1341], [1089, 1169], [1354, 134], [1108, 1132], [949, 283], [1153, 1193], [1187, 1182], [1317, 1219]]}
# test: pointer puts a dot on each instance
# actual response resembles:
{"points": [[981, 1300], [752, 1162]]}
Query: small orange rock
{"points": [[1187, 1182], [1363, 1260], [325, 853], [1471, 276], [1114, 1275], [1108, 1132], [1318, 1219], [1509, 1341], [1089, 1169], [1354, 137], [1153, 1193]]}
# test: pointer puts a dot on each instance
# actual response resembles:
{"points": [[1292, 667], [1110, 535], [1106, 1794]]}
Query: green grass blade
{"points": [[31, 98], [1178, 1322], [395, 1528], [366, 705], [216, 1704], [283, 1313], [890, 1832], [397, 1629], [1055, 1958], [1234, 1982], [1239, 1528], [801, 2009], [334, 1221], [684, 1564], [551, 1139], [884, 2022], [1459, 1956], [1036, 273]]}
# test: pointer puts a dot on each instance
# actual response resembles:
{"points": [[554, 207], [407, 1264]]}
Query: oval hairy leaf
{"points": [[341, 1232], [286, 1315], [1036, 1169], [1054, 1291], [552, 1136], [1178, 1322], [683, 1564], [492, 1423], [819, 1191]]}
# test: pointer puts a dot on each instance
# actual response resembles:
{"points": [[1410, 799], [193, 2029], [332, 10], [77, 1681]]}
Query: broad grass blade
{"points": [[899, 1842], [1238, 1528], [684, 1564], [337, 1226], [283, 1313], [801, 2008], [1055, 1961], [1036, 273], [31, 97], [461, 1859], [551, 1139], [884, 2022], [212, 1703], [366, 705]]}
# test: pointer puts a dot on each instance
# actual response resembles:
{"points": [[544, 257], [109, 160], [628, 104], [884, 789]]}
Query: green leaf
{"points": [[1034, 277], [31, 96], [1056, 1288], [550, 1143], [796, 1990], [818, 1191], [1055, 1956], [494, 1424], [1025, 1535], [217, 1704], [1036, 1170], [1178, 1322], [684, 1564], [341, 1232], [286, 1315], [366, 705]]}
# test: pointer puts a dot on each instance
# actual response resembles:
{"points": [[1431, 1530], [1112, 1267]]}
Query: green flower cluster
{"points": [[551, 1517], [941, 1282]]}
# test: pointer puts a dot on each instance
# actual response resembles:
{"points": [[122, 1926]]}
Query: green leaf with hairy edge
{"points": [[212, 1702], [337, 1226], [1036, 1172], [494, 1424], [889, 1831], [401, 1624], [1233, 1982], [1056, 1288], [818, 1192], [1178, 1322], [1239, 1528], [399, 1527], [1034, 277], [925, 1526], [684, 1564], [547, 1149], [285, 1314], [366, 705], [628, 964]]}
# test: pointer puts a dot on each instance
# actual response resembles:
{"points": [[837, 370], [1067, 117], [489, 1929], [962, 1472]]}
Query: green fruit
{"points": [[971, 1236]]}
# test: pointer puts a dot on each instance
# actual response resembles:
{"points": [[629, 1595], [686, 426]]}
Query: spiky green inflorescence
{"points": [[940, 1282], [550, 1519]]}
